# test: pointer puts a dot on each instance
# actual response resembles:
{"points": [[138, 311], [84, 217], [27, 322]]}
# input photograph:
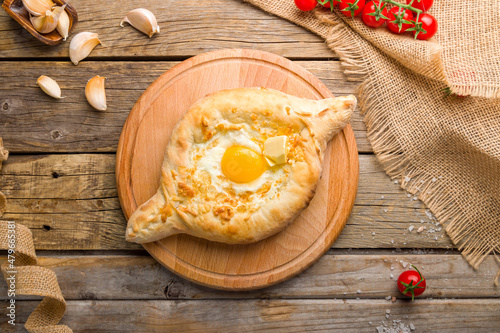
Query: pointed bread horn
{"points": [[327, 117], [153, 220]]}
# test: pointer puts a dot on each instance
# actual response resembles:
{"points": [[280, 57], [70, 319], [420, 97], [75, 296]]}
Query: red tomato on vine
{"points": [[429, 24], [423, 5], [350, 7], [396, 23], [306, 5], [374, 14], [411, 283]]}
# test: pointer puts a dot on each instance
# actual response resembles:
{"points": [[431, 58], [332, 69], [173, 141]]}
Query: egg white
{"points": [[213, 150]]}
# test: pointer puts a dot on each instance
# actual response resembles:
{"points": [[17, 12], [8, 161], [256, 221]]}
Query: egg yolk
{"points": [[242, 165]]}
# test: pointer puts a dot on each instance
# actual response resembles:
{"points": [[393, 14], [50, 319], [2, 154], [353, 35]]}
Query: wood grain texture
{"points": [[127, 277], [187, 28], [352, 316], [69, 201], [31, 121], [140, 154]]}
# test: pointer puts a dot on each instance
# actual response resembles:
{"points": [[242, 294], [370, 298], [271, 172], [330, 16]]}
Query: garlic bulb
{"points": [[95, 93], [49, 86], [38, 7], [81, 45], [63, 25], [48, 22], [143, 20]]}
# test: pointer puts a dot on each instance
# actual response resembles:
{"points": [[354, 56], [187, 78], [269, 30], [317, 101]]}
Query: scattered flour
{"points": [[397, 326]]}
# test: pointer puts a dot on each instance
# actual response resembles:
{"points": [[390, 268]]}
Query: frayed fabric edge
{"points": [[390, 154], [487, 92]]}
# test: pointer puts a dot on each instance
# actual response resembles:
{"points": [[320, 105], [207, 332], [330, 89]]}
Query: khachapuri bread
{"points": [[240, 165]]}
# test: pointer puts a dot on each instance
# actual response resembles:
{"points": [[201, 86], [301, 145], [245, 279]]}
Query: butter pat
{"points": [[275, 150]]}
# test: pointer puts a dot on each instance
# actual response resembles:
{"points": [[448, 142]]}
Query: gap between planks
{"points": [[81, 206], [346, 276], [71, 125], [185, 30], [471, 315]]}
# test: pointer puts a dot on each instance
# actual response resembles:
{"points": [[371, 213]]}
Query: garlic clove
{"points": [[95, 93], [63, 25], [81, 45], [38, 7], [143, 20], [49, 86], [48, 22]]}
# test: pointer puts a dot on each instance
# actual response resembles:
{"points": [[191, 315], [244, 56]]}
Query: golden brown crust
{"points": [[189, 201]]}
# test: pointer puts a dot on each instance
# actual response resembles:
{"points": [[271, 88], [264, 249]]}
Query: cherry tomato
{"points": [[411, 283], [306, 5], [327, 5], [423, 5], [429, 24], [371, 20], [394, 26], [346, 4]]}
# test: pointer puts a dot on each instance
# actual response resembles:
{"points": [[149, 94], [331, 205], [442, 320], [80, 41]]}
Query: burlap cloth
{"points": [[30, 279], [444, 150]]}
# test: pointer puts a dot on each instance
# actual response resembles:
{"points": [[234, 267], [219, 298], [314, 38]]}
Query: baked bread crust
{"points": [[188, 202]]}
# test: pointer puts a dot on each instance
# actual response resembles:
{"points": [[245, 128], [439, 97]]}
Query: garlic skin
{"points": [[38, 7], [63, 25], [49, 86], [143, 20], [81, 45], [95, 93], [48, 22]]}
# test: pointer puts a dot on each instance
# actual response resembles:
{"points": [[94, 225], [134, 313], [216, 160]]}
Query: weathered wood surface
{"points": [[127, 277], [187, 28], [471, 315], [70, 202], [31, 121]]}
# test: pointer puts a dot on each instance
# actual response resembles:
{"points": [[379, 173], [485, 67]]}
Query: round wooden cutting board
{"points": [[234, 267]]}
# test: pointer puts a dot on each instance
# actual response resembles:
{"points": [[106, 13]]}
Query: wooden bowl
{"points": [[17, 11]]}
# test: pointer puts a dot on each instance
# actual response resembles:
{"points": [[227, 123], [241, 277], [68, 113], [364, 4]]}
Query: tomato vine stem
{"points": [[400, 5], [417, 26]]}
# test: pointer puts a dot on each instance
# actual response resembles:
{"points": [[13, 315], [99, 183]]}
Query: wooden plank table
{"points": [[60, 182]]}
